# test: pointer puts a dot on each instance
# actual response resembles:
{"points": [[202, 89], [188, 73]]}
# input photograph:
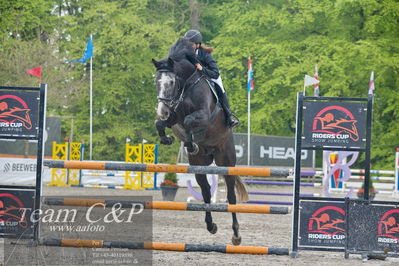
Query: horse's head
{"points": [[172, 74], [167, 85]]}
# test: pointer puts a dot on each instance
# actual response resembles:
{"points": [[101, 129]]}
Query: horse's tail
{"points": [[241, 190]]}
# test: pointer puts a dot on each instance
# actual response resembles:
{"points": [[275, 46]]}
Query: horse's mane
{"points": [[182, 49]]}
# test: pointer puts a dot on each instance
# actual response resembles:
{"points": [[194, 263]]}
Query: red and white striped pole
{"points": [[316, 86]]}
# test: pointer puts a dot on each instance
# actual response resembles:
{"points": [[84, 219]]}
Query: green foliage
{"points": [[285, 38], [347, 39], [172, 177]]}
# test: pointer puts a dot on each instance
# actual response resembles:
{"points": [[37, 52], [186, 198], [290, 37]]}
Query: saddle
{"points": [[212, 86]]}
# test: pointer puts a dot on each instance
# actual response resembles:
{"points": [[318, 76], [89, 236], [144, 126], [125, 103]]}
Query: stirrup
{"points": [[233, 123]]}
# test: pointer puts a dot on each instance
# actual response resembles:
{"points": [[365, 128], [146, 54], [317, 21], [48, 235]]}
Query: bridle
{"points": [[174, 102]]}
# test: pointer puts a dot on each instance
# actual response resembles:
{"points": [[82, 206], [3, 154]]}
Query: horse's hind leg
{"points": [[206, 194], [231, 197], [234, 184]]}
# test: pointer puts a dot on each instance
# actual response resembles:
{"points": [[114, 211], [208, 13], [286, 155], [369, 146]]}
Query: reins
{"points": [[173, 103]]}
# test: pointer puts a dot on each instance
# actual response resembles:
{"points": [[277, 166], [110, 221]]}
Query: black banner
{"points": [[269, 151], [15, 211], [341, 124], [373, 227], [19, 113], [322, 224]]}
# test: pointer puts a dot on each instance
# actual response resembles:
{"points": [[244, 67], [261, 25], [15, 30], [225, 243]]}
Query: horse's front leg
{"points": [[206, 194], [196, 120], [160, 126]]}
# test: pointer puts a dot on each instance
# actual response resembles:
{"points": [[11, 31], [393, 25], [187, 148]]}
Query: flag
{"points": [[87, 54], [310, 81], [250, 82], [316, 86], [37, 72], [371, 83]]}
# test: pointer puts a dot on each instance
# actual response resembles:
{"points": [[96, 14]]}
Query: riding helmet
{"points": [[194, 36]]}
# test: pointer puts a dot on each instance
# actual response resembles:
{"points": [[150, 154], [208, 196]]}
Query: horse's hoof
{"points": [[171, 139], [168, 140], [214, 229], [236, 240]]}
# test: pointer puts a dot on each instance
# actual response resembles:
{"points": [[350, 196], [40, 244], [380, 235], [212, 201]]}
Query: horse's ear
{"points": [[170, 61], [155, 62]]}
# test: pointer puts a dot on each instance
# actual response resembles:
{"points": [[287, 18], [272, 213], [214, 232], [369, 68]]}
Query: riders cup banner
{"points": [[19, 112], [322, 224], [340, 124], [373, 227], [15, 212]]}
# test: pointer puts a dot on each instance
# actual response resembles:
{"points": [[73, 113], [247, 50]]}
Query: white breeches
{"points": [[220, 83]]}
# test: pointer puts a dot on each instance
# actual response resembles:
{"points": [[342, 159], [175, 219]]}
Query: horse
{"points": [[187, 105]]}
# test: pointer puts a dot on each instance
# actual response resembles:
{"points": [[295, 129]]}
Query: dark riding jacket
{"points": [[206, 60], [208, 63]]}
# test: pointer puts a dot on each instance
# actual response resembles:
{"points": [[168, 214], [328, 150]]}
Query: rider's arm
{"points": [[209, 66]]}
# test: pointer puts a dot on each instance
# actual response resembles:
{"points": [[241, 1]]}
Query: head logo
{"points": [[13, 109], [328, 220], [10, 211], [336, 120], [388, 226]]}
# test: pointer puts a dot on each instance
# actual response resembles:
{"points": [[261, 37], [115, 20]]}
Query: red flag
{"points": [[37, 72]]}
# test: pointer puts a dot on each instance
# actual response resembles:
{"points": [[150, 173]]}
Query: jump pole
{"points": [[270, 202], [279, 183], [164, 168], [282, 193], [182, 247], [165, 205]]}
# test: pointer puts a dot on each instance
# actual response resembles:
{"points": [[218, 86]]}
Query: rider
{"points": [[208, 66]]}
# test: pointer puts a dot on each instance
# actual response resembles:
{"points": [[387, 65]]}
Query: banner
{"points": [[332, 124], [270, 151], [322, 224], [15, 211], [373, 227], [19, 113], [22, 172], [266, 151]]}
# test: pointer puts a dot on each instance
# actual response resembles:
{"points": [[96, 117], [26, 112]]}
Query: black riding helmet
{"points": [[193, 36]]}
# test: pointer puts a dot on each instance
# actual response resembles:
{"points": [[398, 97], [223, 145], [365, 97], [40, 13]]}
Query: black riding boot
{"points": [[231, 122]]}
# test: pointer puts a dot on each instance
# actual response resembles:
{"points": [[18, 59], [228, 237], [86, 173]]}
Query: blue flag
{"points": [[88, 53]]}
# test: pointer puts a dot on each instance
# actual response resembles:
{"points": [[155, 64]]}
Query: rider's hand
{"points": [[199, 67]]}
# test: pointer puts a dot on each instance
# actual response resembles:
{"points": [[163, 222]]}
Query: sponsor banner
{"points": [[15, 211], [373, 227], [270, 151], [19, 113], [15, 171], [341, 124], [322, 224]]}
